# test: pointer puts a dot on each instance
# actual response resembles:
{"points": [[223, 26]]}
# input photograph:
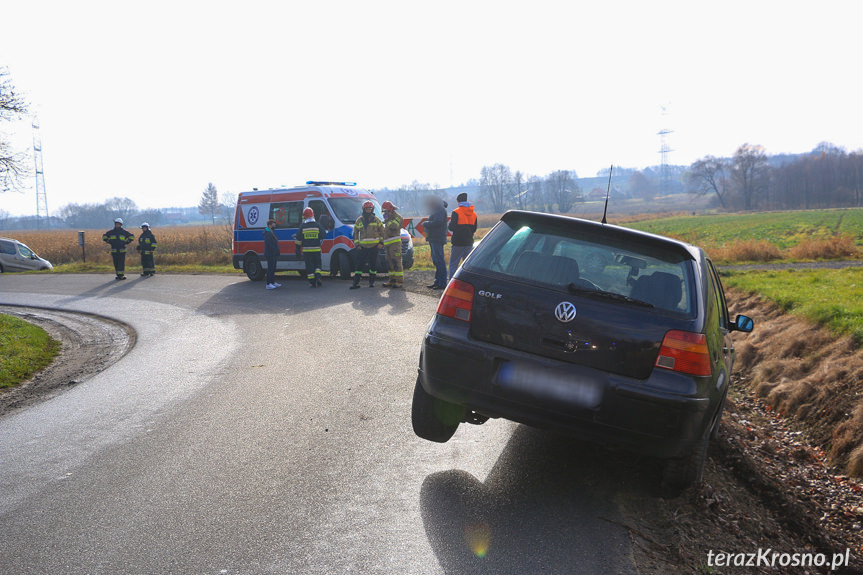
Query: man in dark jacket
{"points": [[462, 224], [435, 231], [271, 253], [118, 239], [146, 247]]}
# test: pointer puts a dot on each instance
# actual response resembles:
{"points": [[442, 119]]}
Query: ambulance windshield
{"points": [[347, 210]]}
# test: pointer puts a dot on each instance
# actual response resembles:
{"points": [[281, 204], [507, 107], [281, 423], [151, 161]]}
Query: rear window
{"points": [[580, 260]]}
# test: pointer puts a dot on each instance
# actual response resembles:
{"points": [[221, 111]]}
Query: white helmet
{"points": [[145, 225], [118, 221]]}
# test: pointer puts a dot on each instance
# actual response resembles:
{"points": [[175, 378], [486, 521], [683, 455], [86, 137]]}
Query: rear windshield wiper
{"points": [[606, 295]]}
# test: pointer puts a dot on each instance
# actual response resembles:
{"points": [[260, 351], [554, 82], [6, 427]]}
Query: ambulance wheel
{"points": [[344, 265], [252, 267]]}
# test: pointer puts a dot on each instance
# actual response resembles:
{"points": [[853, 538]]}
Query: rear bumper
{"points": [[663, 416]]}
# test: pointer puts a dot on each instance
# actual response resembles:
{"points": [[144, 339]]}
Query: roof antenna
{"points": [[607, 192]]}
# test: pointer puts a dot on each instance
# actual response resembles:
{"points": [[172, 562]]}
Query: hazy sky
{"points": [[152, 100]]}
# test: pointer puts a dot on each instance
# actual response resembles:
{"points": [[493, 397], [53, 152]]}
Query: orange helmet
{"points": [[368, 204], [308, 213], [388, 206]]}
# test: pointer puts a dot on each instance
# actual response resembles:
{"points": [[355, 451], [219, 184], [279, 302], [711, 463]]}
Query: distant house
{"points": [[596, 194]]}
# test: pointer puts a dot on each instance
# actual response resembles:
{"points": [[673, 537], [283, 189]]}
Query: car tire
{"points": [[714, 431], [1, 268], [344, 261], [252, 267], [434, 419], [408, 259], [683, 472]]}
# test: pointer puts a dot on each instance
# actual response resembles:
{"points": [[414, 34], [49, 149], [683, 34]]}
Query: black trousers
{"points": [[148, 266], [119, 262], [365, 260]]}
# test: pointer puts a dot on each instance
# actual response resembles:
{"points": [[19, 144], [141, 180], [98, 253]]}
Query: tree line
{"points": [[827, 177]]}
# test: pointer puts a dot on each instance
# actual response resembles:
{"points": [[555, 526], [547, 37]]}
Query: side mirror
{"points": [[743, 323]]}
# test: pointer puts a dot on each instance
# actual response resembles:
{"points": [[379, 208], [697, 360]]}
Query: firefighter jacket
{"points": [[368, 231], [147, 242], [310, 236], [118, 239], [392, 228]]}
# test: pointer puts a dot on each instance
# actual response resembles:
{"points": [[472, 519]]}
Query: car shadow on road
{"points": [[546, 507]]}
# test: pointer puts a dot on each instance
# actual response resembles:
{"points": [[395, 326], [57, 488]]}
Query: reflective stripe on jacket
{"points": [[310, 236], [368, 235], [393, 229], [118, 239]]}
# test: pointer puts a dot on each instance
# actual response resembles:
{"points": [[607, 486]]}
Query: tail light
{"points": [[685, 352], [457, 300]]}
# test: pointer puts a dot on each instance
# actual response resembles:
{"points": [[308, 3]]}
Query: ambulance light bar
{"points": [[313, 183]]}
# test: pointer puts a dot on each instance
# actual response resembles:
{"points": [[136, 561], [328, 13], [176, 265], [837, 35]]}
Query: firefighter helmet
{"points": [[368, 204], [388, 206], [308, 213], [118, 221], [145, 225]]}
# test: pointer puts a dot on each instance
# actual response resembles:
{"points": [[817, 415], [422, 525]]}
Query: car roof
{"points": [[619, 231], [10, 240]]}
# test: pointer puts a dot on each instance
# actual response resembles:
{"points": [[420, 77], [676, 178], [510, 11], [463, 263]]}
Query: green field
{"points": [[24, 350], [831, 298], [783, 229]]}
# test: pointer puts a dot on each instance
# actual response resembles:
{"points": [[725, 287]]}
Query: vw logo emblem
{"points": [[565, 312]]}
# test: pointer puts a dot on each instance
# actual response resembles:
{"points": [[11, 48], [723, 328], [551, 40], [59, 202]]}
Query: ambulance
{"points": [[337, 205]]}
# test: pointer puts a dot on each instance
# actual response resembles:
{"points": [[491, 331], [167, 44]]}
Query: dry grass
{"points": [[179, 245], [836, 247], [807, 374], [746, 251]]}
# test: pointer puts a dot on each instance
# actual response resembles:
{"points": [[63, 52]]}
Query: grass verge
{"points": [[830, 298], [24, 350]]}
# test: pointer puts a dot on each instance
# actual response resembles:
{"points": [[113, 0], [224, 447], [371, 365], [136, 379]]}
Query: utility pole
{"points": [[664, 150], [41, 196]]}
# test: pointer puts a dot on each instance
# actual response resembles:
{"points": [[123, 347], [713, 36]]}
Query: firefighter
{"points": [[118, 239], [369, 238], [393, 245], [146, 246], [309, 238]]}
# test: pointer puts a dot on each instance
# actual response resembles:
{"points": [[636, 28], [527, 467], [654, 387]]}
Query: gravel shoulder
{"points": [[89, 344]]}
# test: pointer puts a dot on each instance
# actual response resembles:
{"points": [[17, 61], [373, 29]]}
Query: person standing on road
{"points": [[435, 231], [368, 238], [271, 253], [462, 224], [118, 239], [146, 246], [393, 245], [309, 238]]}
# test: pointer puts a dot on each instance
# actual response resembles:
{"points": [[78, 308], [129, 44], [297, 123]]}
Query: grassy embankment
{"points": [[24, 350]]}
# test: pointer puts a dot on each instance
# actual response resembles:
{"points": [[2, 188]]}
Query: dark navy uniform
{"points": [[309, 238], [147, 245], [118, 239]]}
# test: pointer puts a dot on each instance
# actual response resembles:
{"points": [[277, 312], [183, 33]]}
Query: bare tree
{"points": [[563, 190], [12, 106], [494, 184], [536, 193], [229, 205], [749, 172], [708, 176], [209, 204], [520, 189], [122, 207]]}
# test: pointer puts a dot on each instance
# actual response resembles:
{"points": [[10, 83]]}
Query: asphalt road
{"points": [[252, 431]]}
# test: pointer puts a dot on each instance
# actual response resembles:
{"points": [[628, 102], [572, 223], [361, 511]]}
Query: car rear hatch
{"points": [[602, 314]]}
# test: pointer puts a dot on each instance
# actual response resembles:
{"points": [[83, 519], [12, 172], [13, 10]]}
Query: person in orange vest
{"points": [[462, 224]]}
